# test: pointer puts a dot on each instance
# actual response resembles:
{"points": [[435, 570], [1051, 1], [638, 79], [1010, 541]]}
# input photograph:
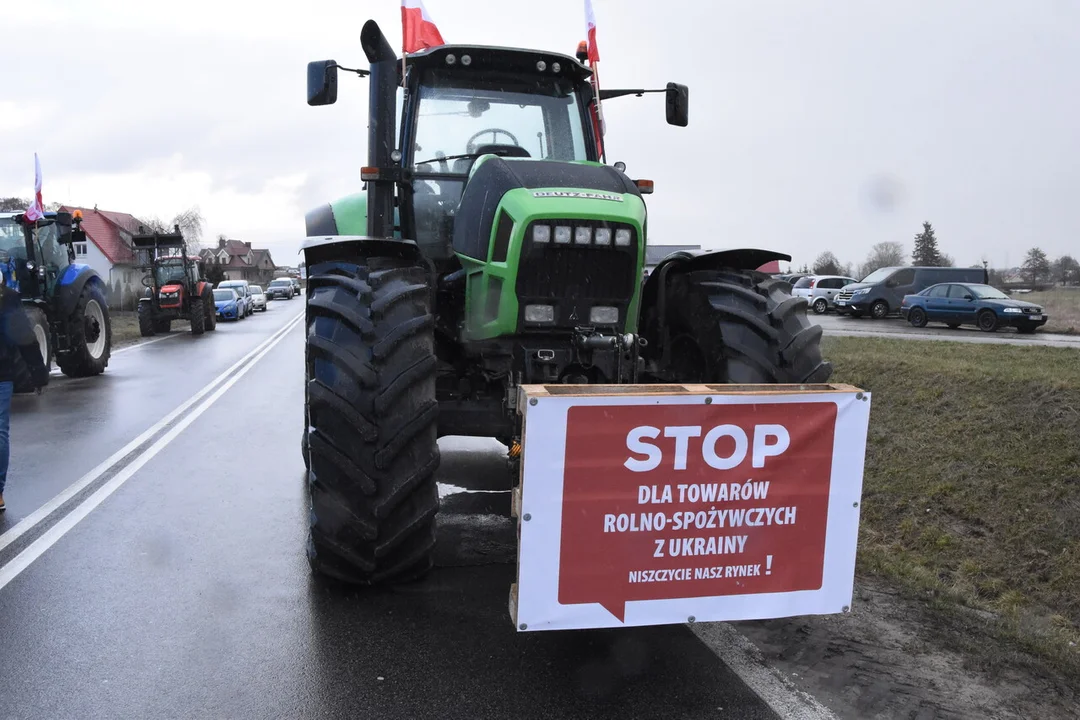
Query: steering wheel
{"points": [[470, 146]]}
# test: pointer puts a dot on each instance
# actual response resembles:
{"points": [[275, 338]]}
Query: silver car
{"points": [[821, 290], [258, 298]]}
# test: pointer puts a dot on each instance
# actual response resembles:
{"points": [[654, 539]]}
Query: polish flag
{"points": [[590, 29], [418, 30], [36, 211]]}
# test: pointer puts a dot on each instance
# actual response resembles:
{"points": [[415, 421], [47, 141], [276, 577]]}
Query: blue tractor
{"points": [[65, 300]]}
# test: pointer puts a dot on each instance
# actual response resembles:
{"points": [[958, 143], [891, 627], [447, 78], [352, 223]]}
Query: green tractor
{"points": [[493, 248]]}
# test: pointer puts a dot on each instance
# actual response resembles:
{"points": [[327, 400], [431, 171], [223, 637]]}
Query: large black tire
{"points": [[89, 323], [147, 326], [198, 316], [22, 381], [743, 327], [372, 419]]}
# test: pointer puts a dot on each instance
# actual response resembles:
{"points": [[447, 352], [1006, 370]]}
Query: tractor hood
{"points": [[171, 288]]}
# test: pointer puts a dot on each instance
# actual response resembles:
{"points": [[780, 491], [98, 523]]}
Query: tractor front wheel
{"points": [[39, 325], [738, 326], [371, 409], [147, 326], [90, 339], [211, 313], [198, 316]]}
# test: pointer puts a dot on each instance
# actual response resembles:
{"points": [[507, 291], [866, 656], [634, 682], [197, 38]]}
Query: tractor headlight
{"points": [[562, 234], [541, 233], [539, 313], [604, 315], [583, 235], [622, 238], [603, 236]]}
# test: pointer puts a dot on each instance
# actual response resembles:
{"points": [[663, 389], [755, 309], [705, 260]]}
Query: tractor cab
{"points": [[175, 289], [34, 255]]}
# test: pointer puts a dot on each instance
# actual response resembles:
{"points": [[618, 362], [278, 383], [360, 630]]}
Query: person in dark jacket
{"points": [[17, 345]]}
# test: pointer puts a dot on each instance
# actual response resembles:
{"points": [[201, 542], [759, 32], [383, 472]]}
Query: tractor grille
{"points": [[573, 277]]}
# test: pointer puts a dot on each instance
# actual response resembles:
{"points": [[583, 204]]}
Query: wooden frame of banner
{"points": [[530, 392]]}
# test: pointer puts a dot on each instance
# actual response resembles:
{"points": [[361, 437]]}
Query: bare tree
{"points": [[826, 264], [13, 204], [190, 222], [884, 254]]}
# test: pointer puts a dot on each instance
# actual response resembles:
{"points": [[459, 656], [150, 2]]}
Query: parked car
{"points": [[243, 289], [227, 303], [296, 286], [280, 288], [258, 298], [821, 290], [957, 304], [881, 292]]}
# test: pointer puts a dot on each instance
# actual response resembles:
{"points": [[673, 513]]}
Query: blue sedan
{"points": [[985, 307], [227, 304]]}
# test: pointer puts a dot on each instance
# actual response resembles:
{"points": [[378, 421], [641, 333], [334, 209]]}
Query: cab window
{"points": [[901, 278]]}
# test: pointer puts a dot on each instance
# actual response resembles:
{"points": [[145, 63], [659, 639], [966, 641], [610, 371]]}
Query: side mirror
{"points": [[678, 104], [63, 227], [322, 82], [969, 297], [147, 281]]}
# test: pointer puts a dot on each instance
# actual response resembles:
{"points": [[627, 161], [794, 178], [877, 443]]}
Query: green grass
{"points": [[972, 485], [1062, 306]]}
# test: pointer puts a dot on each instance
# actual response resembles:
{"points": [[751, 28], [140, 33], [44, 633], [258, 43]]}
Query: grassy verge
{"points": [[1063, 307], [125, 328], [972, 486]]}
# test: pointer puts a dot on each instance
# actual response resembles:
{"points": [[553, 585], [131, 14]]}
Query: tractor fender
{"points": [[331, 248], [71, 284], [652, 295], [204, 289]]}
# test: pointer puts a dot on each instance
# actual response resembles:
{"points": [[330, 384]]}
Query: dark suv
{"points": [[280, 289], [881, 292]]}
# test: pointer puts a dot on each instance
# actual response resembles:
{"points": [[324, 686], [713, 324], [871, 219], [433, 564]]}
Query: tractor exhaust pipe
{"points": [[382, 121]]}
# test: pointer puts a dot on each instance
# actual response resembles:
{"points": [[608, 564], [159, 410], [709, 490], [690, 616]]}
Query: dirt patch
{"points": [[125, 328], [892, 657]]}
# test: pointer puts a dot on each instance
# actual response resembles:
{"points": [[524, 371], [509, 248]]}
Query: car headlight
{"points": [[1012, 310], [539, 313], [604, 315], [861, 291]]}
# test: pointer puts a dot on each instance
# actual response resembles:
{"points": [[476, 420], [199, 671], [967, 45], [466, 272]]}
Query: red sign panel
{"points": [[684, 501]]}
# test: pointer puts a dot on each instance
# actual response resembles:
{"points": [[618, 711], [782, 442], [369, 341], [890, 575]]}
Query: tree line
{"points": [[1037, 267]]}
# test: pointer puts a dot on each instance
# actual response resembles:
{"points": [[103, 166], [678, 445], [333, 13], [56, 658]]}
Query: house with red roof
{"points": [[108, 246], [239, 261]]}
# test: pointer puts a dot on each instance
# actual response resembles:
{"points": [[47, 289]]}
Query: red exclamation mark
{"points": [[768, 564]]}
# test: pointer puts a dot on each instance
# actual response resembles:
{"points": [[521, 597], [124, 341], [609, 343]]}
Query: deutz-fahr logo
{"points": [[589, 195]]}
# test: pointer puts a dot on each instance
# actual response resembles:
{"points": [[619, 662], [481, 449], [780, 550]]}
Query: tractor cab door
{"points": [[53, 256]]}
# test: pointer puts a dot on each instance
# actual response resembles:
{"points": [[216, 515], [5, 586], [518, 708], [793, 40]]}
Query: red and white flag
{"points": [[36, 211], [590, 29], [419, 32]]}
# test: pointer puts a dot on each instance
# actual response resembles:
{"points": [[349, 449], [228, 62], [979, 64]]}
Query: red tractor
{"points": [[175, 286]]}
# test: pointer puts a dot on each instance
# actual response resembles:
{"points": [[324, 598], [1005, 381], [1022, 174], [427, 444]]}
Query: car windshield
{"points": [[256, 290], [280, 283], [220, 295], [985, 292], [878, 275]]}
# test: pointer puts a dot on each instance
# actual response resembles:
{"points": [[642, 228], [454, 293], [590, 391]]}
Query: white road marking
{"points": [[79, 485], [144, 343], [51, 536], [744, 659]]}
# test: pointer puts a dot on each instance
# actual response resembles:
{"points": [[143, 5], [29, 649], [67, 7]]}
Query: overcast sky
{"points": [[815, 124]]}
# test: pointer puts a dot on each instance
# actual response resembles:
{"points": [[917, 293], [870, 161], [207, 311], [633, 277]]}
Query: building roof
{"points": [[103, 228], [238, 253]]}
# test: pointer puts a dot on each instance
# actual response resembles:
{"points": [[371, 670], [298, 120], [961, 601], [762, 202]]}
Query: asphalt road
{"points": [[170, 581], [897, 328]]}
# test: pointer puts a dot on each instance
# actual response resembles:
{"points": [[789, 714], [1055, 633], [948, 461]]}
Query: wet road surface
{"points": [[897, 328], [175, 585]]}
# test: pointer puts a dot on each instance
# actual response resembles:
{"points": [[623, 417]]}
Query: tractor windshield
{"points": [[459, 118], [169, 272], [11, 238]]}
